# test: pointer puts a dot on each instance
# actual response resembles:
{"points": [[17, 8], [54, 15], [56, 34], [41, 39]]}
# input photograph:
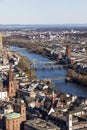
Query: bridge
{"points": [[43, 62], [45, 67], [54, 78], [40, 65]]}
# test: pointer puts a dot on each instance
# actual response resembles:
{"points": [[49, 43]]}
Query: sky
{"points": [[43, 11]]}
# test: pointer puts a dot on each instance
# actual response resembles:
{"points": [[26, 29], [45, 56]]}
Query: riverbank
{"points": [[77, 78], [40, 50], [24, 65], [69, 88]]}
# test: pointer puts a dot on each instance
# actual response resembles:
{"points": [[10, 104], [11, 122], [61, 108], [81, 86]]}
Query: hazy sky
{"points": [[43, 11]]}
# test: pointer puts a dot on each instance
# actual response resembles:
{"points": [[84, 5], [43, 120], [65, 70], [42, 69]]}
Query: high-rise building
{"points": [[68, 51], [1, 46], [39, 124]]}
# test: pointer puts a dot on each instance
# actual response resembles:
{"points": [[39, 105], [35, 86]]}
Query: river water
{"points": [[69, 88]]}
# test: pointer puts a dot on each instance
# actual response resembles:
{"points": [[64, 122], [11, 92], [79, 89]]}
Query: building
{"points": [[11, 84], [12, 121], [77, 118], [39, 124], [68, 51], [59, 55], [20, 107], [12, 115], [3, 94], [70, 122], [5, 59]]}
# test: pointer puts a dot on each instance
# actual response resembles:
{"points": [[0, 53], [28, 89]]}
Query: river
{"points": [[69, 88]]}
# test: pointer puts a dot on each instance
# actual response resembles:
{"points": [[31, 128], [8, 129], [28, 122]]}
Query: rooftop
{"points": [[13, 115], [40, 124]]}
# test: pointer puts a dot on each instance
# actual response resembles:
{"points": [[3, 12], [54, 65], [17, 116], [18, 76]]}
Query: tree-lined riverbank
{"points": [[70, 88], [24, 65]]}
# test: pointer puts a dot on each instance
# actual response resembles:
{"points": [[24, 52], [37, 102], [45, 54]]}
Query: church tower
{"points": [[11, 84], [1, 46], [68, 51]]}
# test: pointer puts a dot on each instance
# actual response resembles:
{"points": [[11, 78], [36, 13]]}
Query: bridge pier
{"points": [[52, 67], [35, 67], [54, 78], [60, 67], [44, 67]]}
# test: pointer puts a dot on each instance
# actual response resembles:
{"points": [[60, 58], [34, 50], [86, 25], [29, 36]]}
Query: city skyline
{"points": [[43, 12]]}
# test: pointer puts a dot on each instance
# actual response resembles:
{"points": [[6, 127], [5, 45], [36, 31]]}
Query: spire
{"points": [[53, 97], [51, 111]]}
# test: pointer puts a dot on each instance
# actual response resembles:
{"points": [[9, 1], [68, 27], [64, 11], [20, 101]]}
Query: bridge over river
{"points": [[39, 65], [60, 74], [54, 78]]}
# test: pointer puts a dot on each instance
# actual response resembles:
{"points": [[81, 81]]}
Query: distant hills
{"points": [[35, 27]]}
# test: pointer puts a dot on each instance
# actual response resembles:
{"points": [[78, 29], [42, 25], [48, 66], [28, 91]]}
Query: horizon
{"points": [[44, 24]]}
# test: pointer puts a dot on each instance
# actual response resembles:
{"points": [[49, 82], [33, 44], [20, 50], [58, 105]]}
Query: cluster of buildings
{"points": [[12, 112], [70, 46], [49, 109], [72, 55], [58, 36], [35, 105]]}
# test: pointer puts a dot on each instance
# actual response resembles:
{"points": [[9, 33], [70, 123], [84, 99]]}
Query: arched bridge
{"points": [[39, 65], [54, 78]]}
